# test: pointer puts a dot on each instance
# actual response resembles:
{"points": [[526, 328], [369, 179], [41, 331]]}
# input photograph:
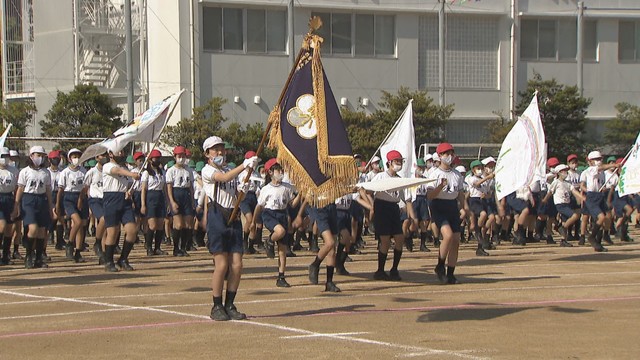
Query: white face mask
{"points": [[3, 161], [181, 161], [397, 167], [488, 170], [562, 175], [419, 172], [37, 160], [218, 160], [446, 159], [429, 164], [75, 161], [277, 176], [478, 172], [573, 166], [11, 163], [597, 162]]}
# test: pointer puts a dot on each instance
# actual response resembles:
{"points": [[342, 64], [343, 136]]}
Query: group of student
{"points": [[148, 196]]}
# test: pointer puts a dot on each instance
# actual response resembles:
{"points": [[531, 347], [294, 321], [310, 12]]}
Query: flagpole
{"points": [[618, 168], [391, 132]]}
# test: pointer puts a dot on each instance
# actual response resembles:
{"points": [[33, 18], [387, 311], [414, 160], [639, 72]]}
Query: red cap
{"points": [[54, 154], [394, 155], [138, 155], [443, 147], [179, 150], [620, 161], [553, 162], [249, 154], [456, 161], [155, 153], [187, 153], [270, 163], [572, 157]]}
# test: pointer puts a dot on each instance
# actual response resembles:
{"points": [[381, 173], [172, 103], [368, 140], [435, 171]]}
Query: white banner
{"points": [[629, 182], [402, 139], [532, 114], [3, 138], [144, 128]]}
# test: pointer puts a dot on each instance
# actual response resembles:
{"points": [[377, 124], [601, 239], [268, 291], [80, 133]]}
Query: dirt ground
{"points": [[533, 302]]}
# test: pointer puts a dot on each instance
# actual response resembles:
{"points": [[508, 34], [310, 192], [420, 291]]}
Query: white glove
{"points": [[244, 187], [251, 162]]}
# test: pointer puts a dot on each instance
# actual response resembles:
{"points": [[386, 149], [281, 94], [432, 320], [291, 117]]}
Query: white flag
{"points": [[629, 182], [145, 128], [515, 166], [3, 138], [532, 114], [402, 139]]}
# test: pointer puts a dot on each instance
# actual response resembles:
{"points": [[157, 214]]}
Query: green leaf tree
{"points": [[83, 112], [621, 132], [563, 111], [498, 129], [20, 115]]}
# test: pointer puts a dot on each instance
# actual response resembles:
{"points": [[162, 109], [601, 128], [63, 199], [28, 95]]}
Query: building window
{"points": [[555, 40], [365, 35], [628, 41], [244, 30]]}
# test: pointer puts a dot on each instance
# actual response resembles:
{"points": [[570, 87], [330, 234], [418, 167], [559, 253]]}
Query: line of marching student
{"points": [[55, 198]]}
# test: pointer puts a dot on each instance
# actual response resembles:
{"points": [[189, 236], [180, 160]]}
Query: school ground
{"points": [[532, 302]]}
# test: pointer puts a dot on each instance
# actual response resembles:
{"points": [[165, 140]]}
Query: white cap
{"points": [[211, 142], [559, 168], [435, 157], [488, 160], [74, 151], [594, 155], [461, 169], [4, 151], [37, 149], [375, 159], [13, 153], [428, 157]]}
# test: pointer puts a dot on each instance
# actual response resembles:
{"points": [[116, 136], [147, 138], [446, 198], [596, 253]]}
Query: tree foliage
{"points": [[83, 112], [367, 131], [498, 129], [20, 115], [622, 131], [563, 111]]}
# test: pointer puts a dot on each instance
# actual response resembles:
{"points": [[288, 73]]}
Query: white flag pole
{"points": [[390, 132]]}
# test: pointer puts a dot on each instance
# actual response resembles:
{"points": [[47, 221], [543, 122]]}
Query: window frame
{"points": [[558, 42], [636, 42]]}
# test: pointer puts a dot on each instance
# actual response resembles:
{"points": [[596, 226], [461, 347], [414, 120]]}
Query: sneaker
{"points": [[233, 313], [281, 282], [77, 258], [117, 250], [563, 232], [110, 267], [29, 261], [68, 248], [331, 287], [607, 238], [441, 273], [599, 248], [40, 264], [6, 261], [381, 275], [313, 274], [178, 253], [159, 252], [582, 240], [565, 243], [436, 243], [394, 275], [96, 250], [342, 271], [218, 313], [250, 250], [16, 255], [123, 264], [481, 252], [149, 252], [550, 240], [452, 280]]}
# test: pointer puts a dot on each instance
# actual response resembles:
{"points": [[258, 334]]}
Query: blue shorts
{"points": [[156, 206], [223, 238], [70, 205], [477, 206], [421, 208], [636, 201], [619, 203], [517, 205], [596, 203], [446, 212], [6, 207], [183, 197], [344, 220], [491, 206], [249, 203], [97, 207], [137, 203], [117, 209], [36, 210], [356, 211], [565, 211], [548, 208], [273, 218], [326, 218], [386, 218]]}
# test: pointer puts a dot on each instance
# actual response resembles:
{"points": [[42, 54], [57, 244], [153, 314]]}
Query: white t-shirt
{"points": [[390, 196], [476, 191], [155, 182], [34, 181], [112, 182], [180, 177], [561, 191], [8, 181], [254, 183], [93, 180], [137, 184], [226, 192], [455, 183], [72, 180], [573, 178], [611, 179], [54, 174], [592, 178], [276, 197]]}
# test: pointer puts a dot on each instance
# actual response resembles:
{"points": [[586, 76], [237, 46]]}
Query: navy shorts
{"points": [[517, 205], [565, 211], [97, 207], [35, 209], [421, 208], [636, 202], [137, 203], [326, 218], [117, 209], [6, 207], [619, 203], [477, 206], [273, 218], [156, 206], [70, 205], [596, 203], [548, 208], [183, 197], [446, 212], [491, 206], [356, 211], [249, 203], [344, 219], [386, 218], [223, 238]]}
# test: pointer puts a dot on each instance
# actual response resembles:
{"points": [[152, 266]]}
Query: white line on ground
{"points": [[323, 335]]}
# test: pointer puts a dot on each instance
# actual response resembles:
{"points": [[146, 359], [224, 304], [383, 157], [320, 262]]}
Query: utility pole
{"points": [[580, 46], [129, 55], [292, 37], [441, 49]]}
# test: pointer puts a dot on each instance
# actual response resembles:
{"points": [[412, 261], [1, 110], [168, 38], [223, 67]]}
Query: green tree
{"points": [[20, 115], [498, 129], [83, 112], [563, 111], [246, 139], [622, 131]]}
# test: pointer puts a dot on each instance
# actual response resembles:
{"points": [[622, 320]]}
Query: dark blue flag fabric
{"points": [[309, 135]]}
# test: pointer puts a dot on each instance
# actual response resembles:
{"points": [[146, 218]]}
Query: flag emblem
{"points": [[301, 117]]}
